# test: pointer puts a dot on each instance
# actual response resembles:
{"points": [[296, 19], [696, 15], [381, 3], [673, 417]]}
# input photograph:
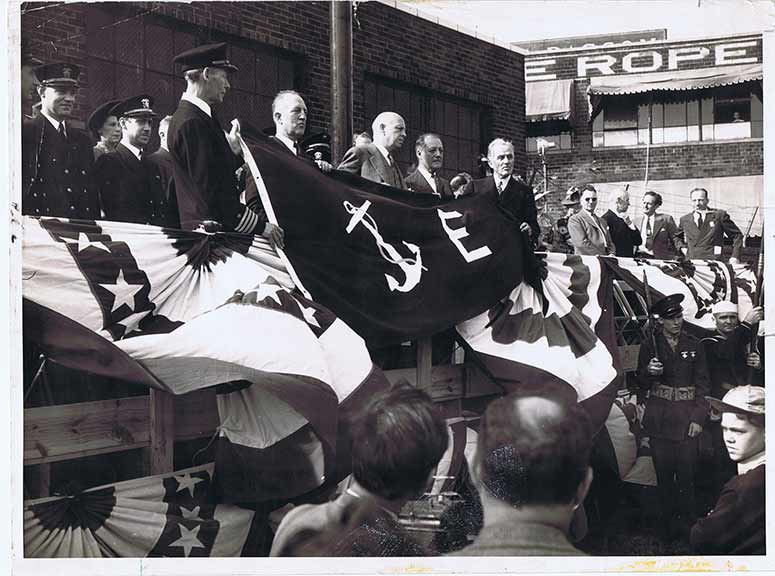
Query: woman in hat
{"points": [[105, 127]]}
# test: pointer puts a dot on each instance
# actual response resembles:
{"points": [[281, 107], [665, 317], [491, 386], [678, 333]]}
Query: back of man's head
{"points": [[397, 441], [533, 449]]}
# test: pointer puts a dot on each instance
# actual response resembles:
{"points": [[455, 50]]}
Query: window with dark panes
{"points": [[457, 121], [131, 53], [722, 113]]}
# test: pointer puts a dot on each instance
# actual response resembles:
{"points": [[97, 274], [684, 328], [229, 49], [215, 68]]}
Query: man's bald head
{"points": [[389, 130], [533, 449]]}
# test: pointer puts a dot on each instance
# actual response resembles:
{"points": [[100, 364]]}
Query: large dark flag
{"points": [[392, 264]]}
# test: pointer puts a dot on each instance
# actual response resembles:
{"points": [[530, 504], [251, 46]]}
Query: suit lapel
{"points": [[379, 164]]}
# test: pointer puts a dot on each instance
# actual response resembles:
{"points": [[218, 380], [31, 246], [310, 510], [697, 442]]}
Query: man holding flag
{"points": [[205, 159]]}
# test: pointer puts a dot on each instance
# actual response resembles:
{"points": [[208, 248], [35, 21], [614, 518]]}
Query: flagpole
{"points": [[263, 194]]}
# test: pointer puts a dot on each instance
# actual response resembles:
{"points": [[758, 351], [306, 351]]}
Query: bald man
{"points": [[377, 161]]}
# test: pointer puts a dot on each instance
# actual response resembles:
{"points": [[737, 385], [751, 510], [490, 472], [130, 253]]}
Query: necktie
{"points": [[699, 220], [500, 187], [62, 130], [396, 174], [296, 149], [649, 233], [435, 182]]}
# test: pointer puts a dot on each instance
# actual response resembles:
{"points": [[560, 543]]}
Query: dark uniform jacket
{"points": [[161, 160], [684, 367], [56, 172], [736, 524], [206, 184], [727, 367], [162, 168], [416, 182], [625, 239], [706, 243], [130, 189], [516, 201]]}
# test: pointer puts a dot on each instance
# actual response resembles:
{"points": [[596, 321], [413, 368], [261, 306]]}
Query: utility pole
{"points": [[341, 78]]}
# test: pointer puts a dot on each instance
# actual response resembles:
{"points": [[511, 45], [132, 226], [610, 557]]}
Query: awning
{"points": [[669, 81], [552, 100]]}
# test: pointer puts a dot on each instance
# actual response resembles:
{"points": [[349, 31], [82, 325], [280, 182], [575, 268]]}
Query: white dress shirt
{"points": [[428, 177], [288, 142], [133, 149]]}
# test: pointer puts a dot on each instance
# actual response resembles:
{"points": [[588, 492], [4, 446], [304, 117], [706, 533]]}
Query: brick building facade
{"points": [[440, 79], [654, 115]]}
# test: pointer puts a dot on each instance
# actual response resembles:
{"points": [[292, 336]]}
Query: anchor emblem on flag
{"points": [[411, 267]]}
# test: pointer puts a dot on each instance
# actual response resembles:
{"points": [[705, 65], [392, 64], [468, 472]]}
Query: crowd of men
{"points": [[699, 235], [531, 469]]}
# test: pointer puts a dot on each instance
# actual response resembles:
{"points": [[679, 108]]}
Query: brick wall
{"points": [[388, 42]]}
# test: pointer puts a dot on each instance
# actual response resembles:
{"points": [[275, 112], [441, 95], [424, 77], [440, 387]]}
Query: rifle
{"points": [[757, 301], [649, 314]]}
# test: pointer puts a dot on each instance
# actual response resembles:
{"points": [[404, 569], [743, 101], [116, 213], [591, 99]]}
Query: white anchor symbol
{"points": [[412, 267]]}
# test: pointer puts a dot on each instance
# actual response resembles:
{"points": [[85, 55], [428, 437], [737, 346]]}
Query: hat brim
{"points": [[569, 203], [59, 83], [721, 406], [541, 195], [138, 114]]}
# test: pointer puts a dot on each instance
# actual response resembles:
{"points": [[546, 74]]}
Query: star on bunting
{"points": [[309, 315], [190, 514], [188, 540], [187, 481], [123, 291], [268, 291], [84, 243]]}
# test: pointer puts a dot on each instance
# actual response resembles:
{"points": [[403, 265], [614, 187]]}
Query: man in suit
{"points": [[704, 230], [675, 375], [588, 232], [205, 158], [430, 158], [513, 196], [661, 237], [57, 158], [129, 187], [376, 161], [289, 113], [531, 469], [624, 234]]}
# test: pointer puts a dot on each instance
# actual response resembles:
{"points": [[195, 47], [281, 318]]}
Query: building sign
{"points": [[638, 60]]}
